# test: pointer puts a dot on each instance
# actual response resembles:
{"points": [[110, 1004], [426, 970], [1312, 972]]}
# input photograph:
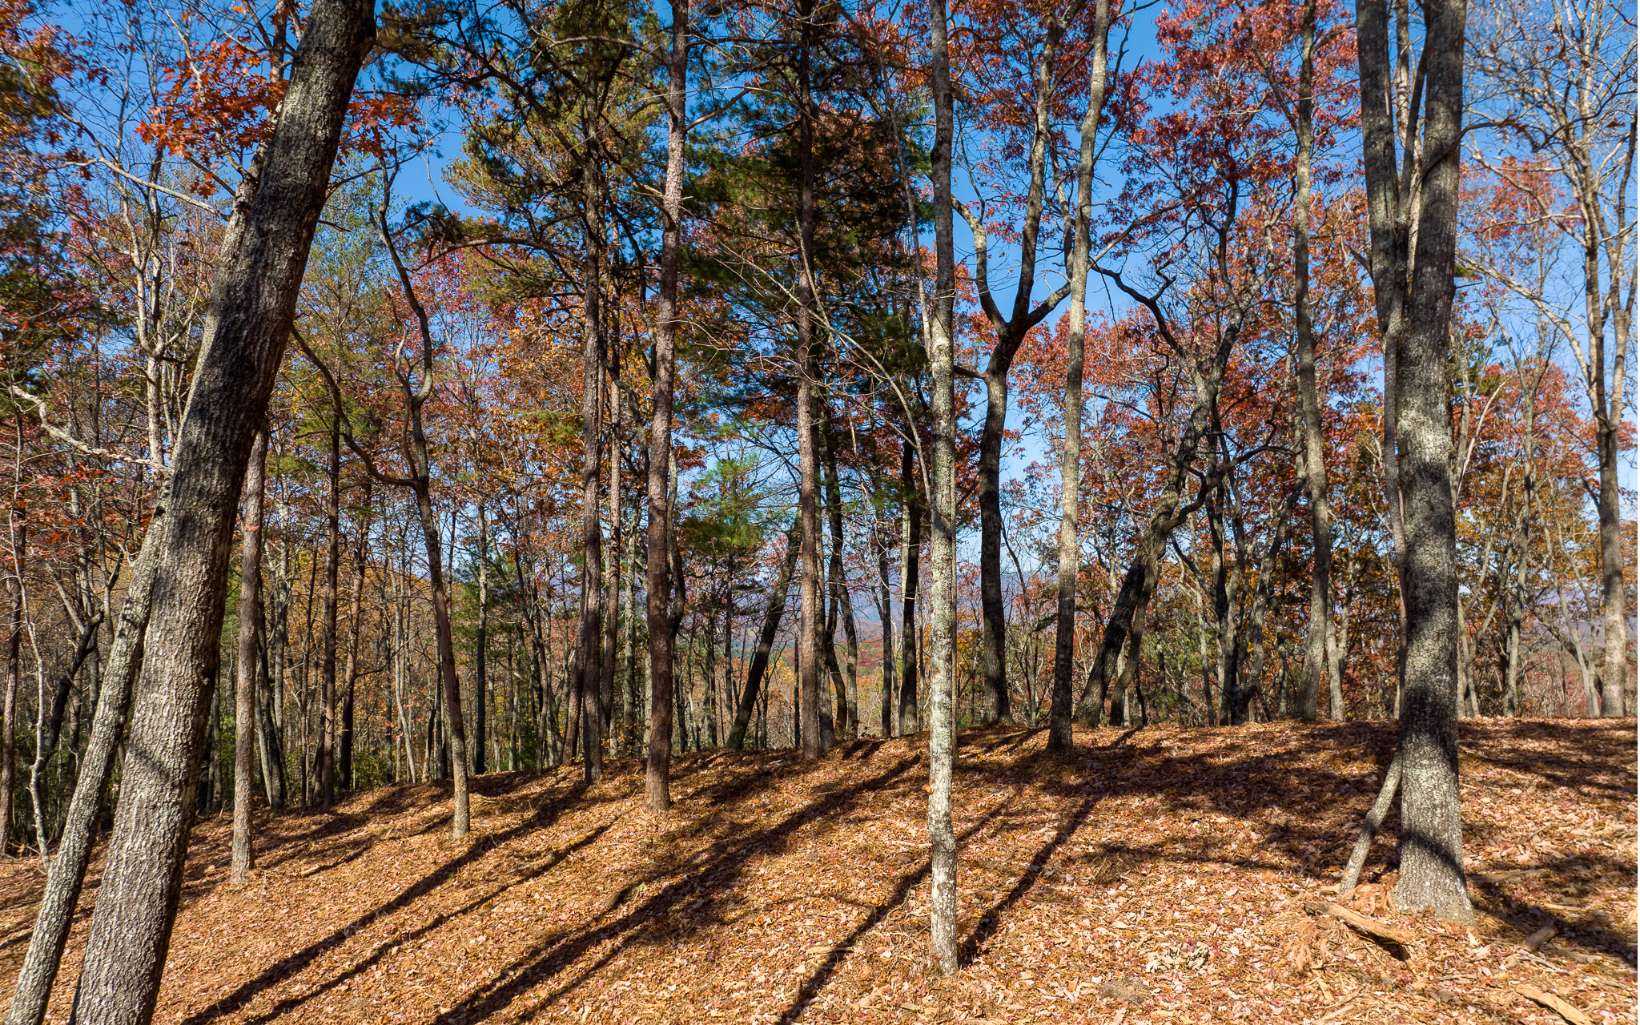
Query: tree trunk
{"points": [[1432, 873], [8, 711], [589, 641], [886, 616], [993, 609], [807, 368], [481, 646], [765, 645], [1313, 460], [658, 763], [67, 871], [610, 648], [246, 326], [1070, 452], [942, 502], [250, 623], [347, 739], [1614, 672], [455, 732], [910, 575], [842, 605], [325, 769]]}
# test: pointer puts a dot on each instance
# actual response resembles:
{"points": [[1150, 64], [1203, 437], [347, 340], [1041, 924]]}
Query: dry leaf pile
{"points": [[1158, 875]]}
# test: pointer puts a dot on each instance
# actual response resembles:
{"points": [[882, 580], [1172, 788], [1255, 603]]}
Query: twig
{"points": [[1553, 1003], [1382, 931]]}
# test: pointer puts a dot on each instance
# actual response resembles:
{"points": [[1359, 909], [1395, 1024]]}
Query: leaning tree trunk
{"points": [[250, 624], [246, 327], [842, 604], [67, 872], [765, 645], [1139, 582], [657, 570], [942, 548], [350, 672], [455, 730]]}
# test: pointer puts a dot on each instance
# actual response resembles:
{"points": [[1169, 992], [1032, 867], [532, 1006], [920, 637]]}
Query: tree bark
{"points": [[806, 365], [8, 709], [1070, 452], [325, 771], [910, 580], [246, 327], [1432, 873], [1317, 652], [886, 615], [250, 624], [66, 874], [842, 605], [481, 646], [589, 642], [346, 740], [942, 503], [658, 536]]}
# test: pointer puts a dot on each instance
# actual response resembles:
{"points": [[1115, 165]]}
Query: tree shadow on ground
{"points": [[293, 963], [1304, 823], [683, 904]]}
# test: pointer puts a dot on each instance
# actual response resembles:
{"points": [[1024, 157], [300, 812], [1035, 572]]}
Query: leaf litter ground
{"points": [[1158, 875]]}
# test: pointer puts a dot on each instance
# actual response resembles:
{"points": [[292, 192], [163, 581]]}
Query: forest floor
{"points": [[1158, 875]]}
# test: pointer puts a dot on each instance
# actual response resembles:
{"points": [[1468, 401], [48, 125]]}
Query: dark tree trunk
{"points": [[350, 672], [481, 647], [765, 645], [886, 616], [610, 648], [910, 555], [325, 769], [1415, 316], [658, 536], [589, 639], [246, 327], [993, 609], [842, 605], [807, 368]]}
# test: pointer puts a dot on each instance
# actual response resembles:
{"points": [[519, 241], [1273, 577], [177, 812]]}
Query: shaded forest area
{"points": [[834, 412]]}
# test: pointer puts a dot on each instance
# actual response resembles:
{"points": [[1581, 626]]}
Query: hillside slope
{"points": [[1160, 875]]}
